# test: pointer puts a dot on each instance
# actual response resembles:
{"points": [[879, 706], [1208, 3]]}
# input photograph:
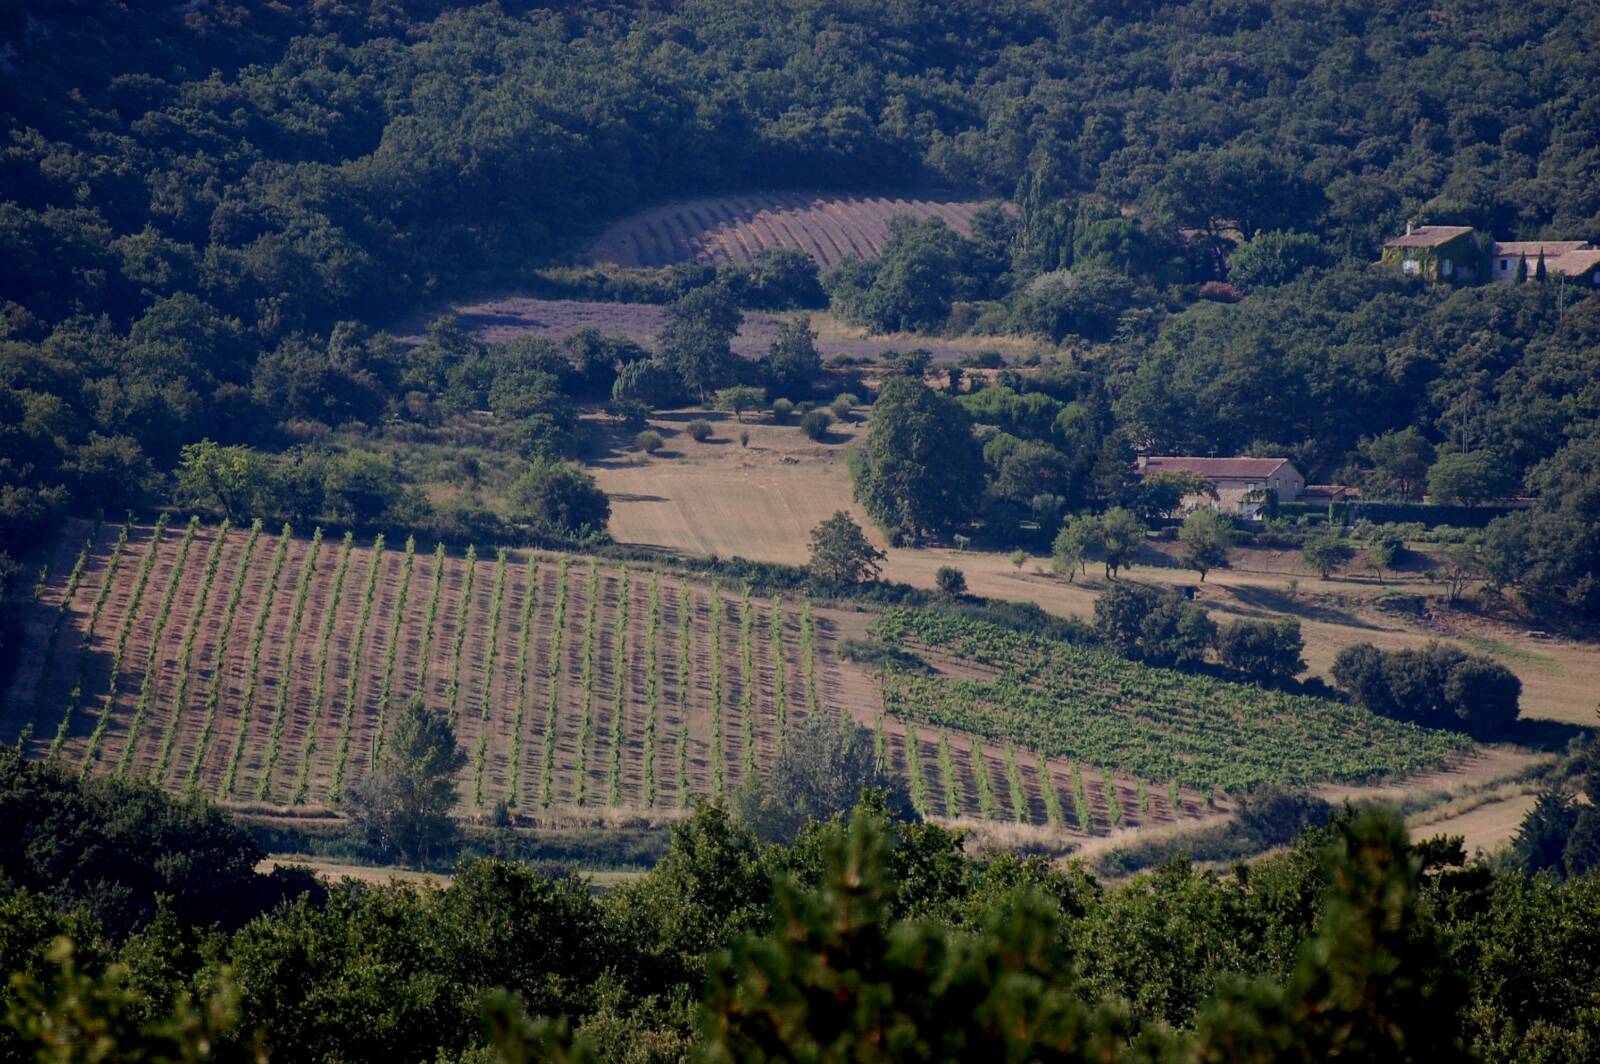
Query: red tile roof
{"points": [[1212, 468]]}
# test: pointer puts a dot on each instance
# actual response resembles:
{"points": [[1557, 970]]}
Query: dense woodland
{"points": [[863, 932]]}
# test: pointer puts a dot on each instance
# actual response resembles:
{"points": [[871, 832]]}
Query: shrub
{"points": [[649, 441], [744, 437], [781, 409], [842, 405], [1440, 686], [950, 580], [1262, 649], [816, 424], [699, 430], [1147, 624], [559, 499]]}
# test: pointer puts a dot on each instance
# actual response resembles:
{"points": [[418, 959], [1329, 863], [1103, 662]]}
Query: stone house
{"points": [[1240, 484]]}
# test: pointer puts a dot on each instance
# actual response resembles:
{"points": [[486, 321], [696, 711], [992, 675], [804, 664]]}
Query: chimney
{"points": [[1408, 227]]}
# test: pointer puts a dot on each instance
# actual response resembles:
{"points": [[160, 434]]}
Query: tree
{"points": [[647, 381], [1326, 553], [404, 806], [1400, 461], [1161, 494], [1121, 539], [793, 364], [1383, 551], [361, 487], [1078, 536], [820, 772], [1467, 478], [1263, 650], [1147, 624], [231, 478], [560, 499], [1206, 537], [921, 469], [1437, 685], [1274, 258], [696, 337], [950, 580], [841, 552], [1540, 843], [815, 424], [738, 400]]}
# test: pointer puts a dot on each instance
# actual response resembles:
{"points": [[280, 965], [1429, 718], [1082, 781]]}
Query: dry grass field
{"points": [[829, 227], [762, 501]]}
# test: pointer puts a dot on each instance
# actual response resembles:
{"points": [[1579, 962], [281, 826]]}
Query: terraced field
{"points": [[830, 227]]}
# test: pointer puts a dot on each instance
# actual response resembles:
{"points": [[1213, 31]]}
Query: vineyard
{"points": [[828, 227], [261, 667], [266, 668], [1168, 733]]}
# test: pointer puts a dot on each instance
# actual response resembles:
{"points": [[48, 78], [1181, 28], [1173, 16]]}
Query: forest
{"points": [[867, 931]]}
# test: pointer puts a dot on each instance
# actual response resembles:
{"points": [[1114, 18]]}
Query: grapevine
{"points": [[914, 774], [86, 645], [685, 635], [352, 682], [123, 632], [163, 615], [453, 692], [954, 800], [432, 618], [652, 689], [302, 783], [1014, 787], [391, 648], [747, 686], [620, 673], [717, 616], [280, 702], [780, 696], [586, 681], [548, 752], [529, 598], [1052, 801], [988, 808], [496, 598], [213, 560], [253, 674]]}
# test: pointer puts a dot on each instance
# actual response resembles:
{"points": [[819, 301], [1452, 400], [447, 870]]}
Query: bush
{"points": [[559, 499], [1263, 650], [816, 424], [781, 409], [1272, 815], [1439, 686], [699, 430], [950, 580], [1161, 627], [842, 405], [648, 441]]}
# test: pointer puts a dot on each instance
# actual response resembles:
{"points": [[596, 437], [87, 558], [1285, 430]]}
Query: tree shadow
{"points": [[1546, 736], [1271, 600]]}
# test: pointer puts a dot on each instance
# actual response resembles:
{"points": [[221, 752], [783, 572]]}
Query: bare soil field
{"points": [[828, 226], [762, 501]]}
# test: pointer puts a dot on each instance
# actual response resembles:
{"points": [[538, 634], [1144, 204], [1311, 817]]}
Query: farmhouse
{"points": [[1240, 484], [1458, 254]]}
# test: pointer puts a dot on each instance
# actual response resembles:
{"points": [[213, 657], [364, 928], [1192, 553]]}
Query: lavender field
{"points": [[500, 320]]}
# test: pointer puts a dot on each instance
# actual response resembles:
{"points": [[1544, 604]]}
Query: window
{"points": [[1409, 266], [1447, 267], [1505, 264]]}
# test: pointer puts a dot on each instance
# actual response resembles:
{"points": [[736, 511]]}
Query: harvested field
{"points": [[504, 319], [830, 227]]}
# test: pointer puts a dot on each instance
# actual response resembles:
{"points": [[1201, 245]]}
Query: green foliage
{"points": [[841, 552], [1438, 685], [1079, 703], [695, 338], [308, 749], [403, 806], [1467, 478], [649, 441], [1274, 258], [921, 470], [821, 773], [1148, 624], [280, 703], [1327, 553], [559, 499], [738, 400], [1262, 650], [815, 424], [950, 580], [1206, 537], [1121, 539]]}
